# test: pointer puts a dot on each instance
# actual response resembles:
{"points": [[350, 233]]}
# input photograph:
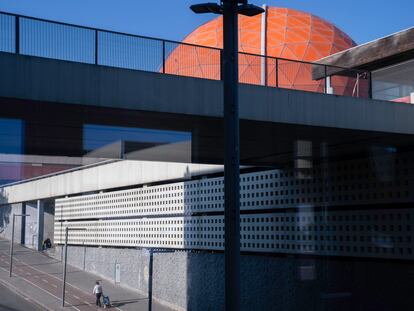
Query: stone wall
{"points": [[195, 281]]}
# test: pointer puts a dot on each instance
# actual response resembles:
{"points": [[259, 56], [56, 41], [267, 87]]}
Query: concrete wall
{"points": [[34, 78], [101, 177], [6, 218], [169, 286], [49, 220], [31, 229], [195, 281], [31, 225]]}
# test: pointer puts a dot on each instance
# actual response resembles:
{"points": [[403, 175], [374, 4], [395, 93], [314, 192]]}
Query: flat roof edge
{"points": [[386, 47]]}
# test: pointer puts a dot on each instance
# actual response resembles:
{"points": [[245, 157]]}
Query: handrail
{"points": [[127, 58], [106, 30], [302, 61]]}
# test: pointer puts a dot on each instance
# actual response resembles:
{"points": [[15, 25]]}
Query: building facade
{"points": [[122, 136]]}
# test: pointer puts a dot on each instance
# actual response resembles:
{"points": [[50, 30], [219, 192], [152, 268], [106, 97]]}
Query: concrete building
{"points": [[123, 136]]}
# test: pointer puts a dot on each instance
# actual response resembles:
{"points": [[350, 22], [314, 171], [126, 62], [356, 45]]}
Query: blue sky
{"points": [[363, 20]]}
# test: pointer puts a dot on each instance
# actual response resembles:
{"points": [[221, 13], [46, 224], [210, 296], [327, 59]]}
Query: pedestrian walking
{"points": [[97, 291]]}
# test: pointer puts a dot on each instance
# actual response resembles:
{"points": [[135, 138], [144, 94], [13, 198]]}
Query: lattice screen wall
{"points": [[169, 215]]}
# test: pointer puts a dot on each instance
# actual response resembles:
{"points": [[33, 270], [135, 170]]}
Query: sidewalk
{"points": [[39, 277]]}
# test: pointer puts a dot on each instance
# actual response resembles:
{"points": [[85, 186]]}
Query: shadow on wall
{"points": [[5, 213], [49, 220]]}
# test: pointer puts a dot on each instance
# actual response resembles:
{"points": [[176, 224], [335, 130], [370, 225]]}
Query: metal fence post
{"points": [[96, 47], [163, 56], [17, 34], [277, 72]]}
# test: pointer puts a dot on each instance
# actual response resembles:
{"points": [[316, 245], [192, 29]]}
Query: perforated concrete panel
{"points": [[281, 213]]}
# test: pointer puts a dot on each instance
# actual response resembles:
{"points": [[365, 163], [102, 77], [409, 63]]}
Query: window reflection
{"points": [[136, 143]]}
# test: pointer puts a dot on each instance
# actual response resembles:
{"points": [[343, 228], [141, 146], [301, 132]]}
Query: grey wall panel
{"points": [[6, 219], [35, 78], [31, 225], [195, 281]]}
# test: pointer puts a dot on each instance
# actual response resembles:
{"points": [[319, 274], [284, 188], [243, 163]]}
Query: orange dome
{"points": [[290, 34]]}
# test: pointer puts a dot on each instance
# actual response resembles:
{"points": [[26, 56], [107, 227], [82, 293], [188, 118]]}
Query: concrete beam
{"points": [[40, 79], [100, 177]]}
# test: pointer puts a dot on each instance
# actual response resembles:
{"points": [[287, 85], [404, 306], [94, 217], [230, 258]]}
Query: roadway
{"points": [[10, 301], [39, 278]]}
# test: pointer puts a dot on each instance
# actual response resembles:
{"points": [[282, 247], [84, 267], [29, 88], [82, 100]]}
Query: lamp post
{"points": [[12, 241], [151, 252], [67, 229], [150, 272], [230, 10]]}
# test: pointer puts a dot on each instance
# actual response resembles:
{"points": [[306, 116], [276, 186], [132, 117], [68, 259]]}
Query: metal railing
{"points": [[50, 39]]}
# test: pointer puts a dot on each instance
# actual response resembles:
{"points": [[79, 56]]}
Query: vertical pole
{"points": [[163, 56], [326, 79], [329, 88], [151, 260], [277, 72], [40, 224], [64, 266], [263, 48], [17, 34], [23, 225], [231, 156], [96, 47], [11, 247]]}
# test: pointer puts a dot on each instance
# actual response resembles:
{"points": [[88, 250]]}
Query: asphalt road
{"points": [[9, 301]]}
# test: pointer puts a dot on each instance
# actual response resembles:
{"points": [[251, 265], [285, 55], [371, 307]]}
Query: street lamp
{"points": [[230, 10], [12, 241], [66, 260]]}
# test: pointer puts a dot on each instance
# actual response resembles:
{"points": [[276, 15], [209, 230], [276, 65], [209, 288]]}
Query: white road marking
{"points": [[76, 297], [47, 292], [54, 285], [51, 275], [45, 281]]}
